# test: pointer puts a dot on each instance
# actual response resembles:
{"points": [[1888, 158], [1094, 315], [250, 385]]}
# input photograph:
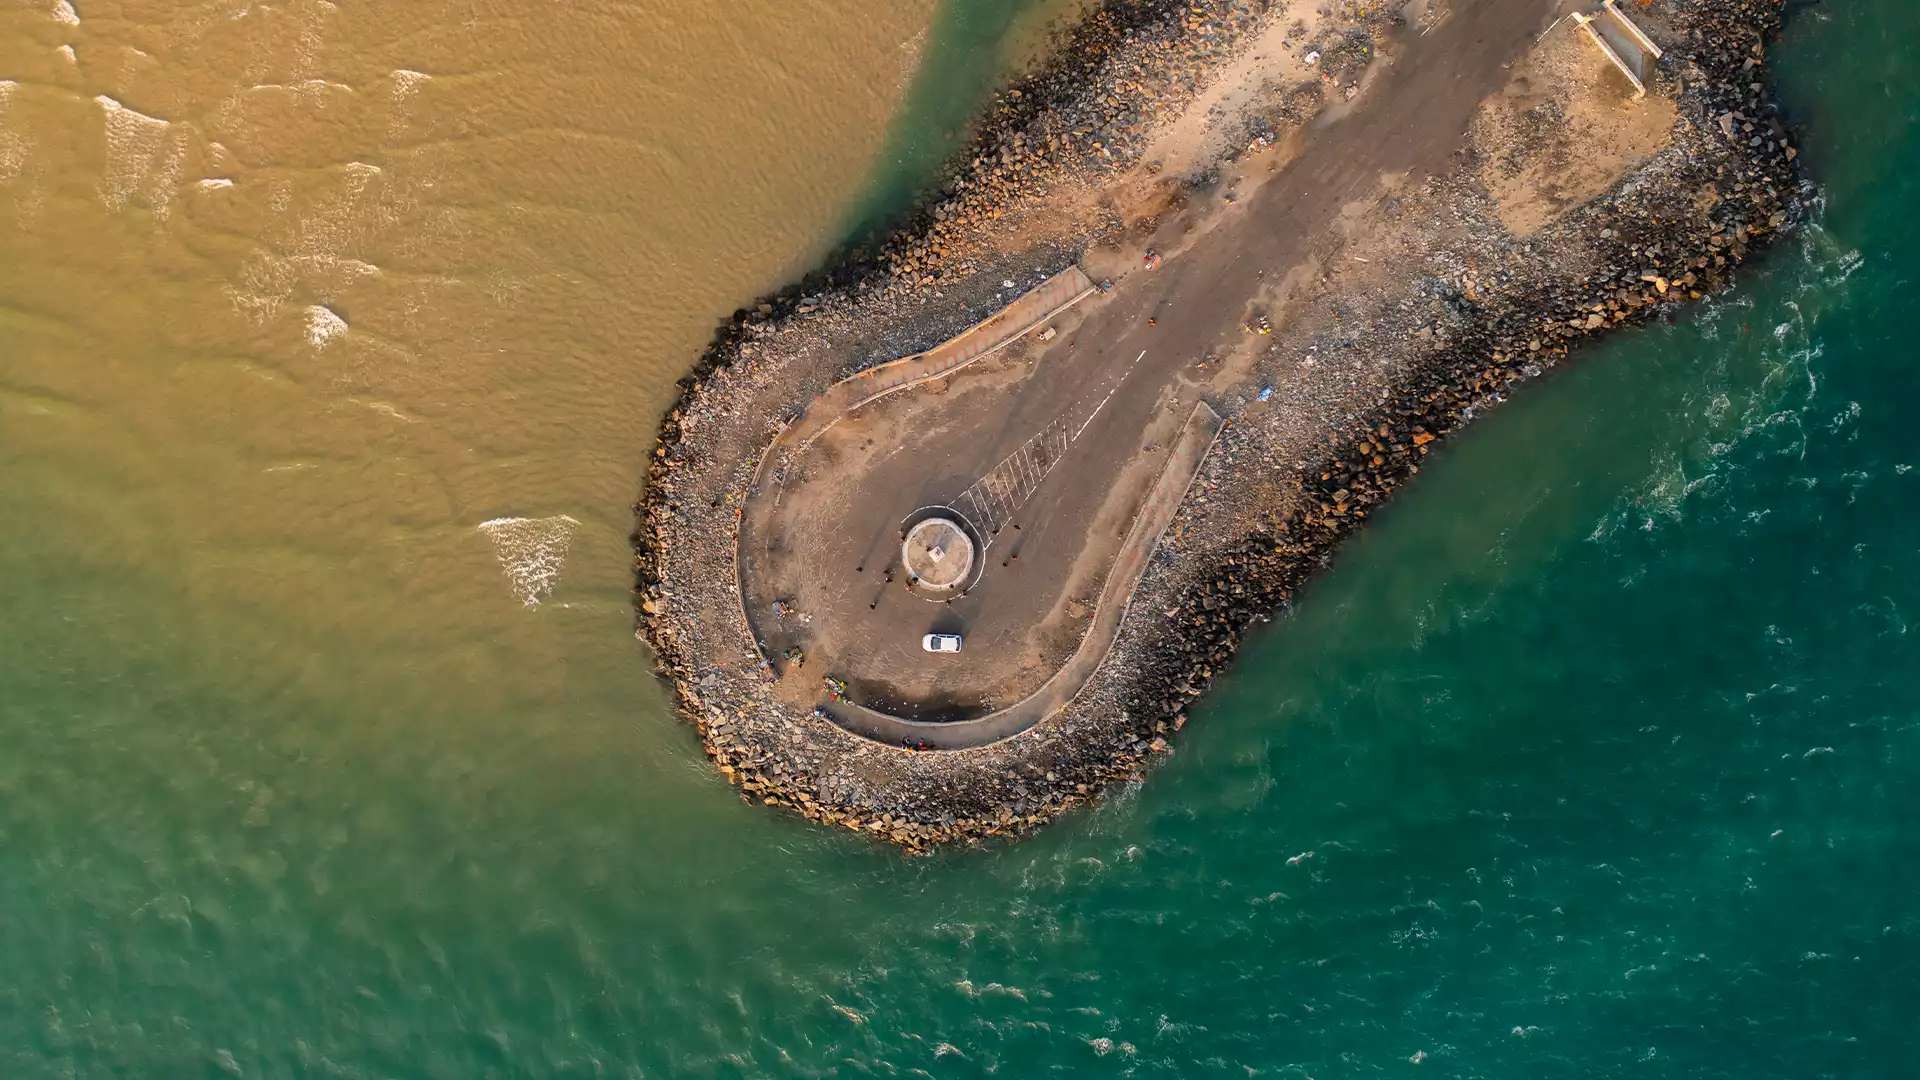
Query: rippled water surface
{"points": [[1596, 756]]}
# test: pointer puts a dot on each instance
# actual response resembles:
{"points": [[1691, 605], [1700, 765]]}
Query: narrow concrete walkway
{"points": [[1116, 599], [989, 335]]}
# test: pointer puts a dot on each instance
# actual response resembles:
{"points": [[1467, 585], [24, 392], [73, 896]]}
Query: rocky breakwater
{"points": [[1675, 232], [1117, 77], [1468, 311]]}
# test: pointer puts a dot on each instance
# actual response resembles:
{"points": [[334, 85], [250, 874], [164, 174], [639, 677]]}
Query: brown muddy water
{"points": [[303, 305], [332, 335], [302, 294], [333, 338]]}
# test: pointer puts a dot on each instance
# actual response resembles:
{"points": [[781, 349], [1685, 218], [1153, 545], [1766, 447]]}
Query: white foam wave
{"points": [[532, 551], [306, 247], [406, 82], [66, 52], [144, 157], [265, 283], [63, 13], [334, 269], [1764, 386], [305, 91], [213, 183], [13, 145], [165, 178], [323, 326], [387, 409], [311, 35]]}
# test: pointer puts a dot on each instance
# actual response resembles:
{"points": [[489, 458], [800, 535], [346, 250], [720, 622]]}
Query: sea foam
{"points": [[531, 551], [323, 326], [13, 146], [144, 156]]}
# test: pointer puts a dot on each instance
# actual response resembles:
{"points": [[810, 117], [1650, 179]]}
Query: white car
{"points": [[941, 643]]}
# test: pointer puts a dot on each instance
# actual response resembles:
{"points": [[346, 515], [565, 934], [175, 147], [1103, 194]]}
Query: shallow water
{"points": [[1595, 756]]}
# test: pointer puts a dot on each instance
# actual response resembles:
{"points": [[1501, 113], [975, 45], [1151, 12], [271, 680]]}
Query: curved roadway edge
{"points": [[984, 338], [1202, 429]]}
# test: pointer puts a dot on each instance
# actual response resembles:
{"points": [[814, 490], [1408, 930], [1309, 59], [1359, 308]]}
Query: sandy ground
{"points": [[1564, 129]]}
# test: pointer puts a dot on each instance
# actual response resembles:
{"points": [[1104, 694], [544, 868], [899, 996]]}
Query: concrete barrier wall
{"points": [[989, 335]]}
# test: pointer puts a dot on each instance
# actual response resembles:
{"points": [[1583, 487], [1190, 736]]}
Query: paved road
{"points": [[1183, 464], [1027, 311]]}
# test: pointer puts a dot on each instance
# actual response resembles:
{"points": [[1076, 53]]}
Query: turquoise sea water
{"points": [[971, 44], [1599, 755]]}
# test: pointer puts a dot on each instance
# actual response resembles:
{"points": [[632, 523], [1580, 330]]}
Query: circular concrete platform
{"points": [[937, 554]]}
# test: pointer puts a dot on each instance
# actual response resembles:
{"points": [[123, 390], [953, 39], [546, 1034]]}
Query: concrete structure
{"points": [[937, 555], [1622, 42], [1020, 317]]}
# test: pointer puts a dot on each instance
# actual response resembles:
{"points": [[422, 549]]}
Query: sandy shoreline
{"points": [[1418, 298]]}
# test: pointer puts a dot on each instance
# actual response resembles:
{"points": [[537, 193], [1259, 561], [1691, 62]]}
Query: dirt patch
{"points": [[1566, 128]]}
